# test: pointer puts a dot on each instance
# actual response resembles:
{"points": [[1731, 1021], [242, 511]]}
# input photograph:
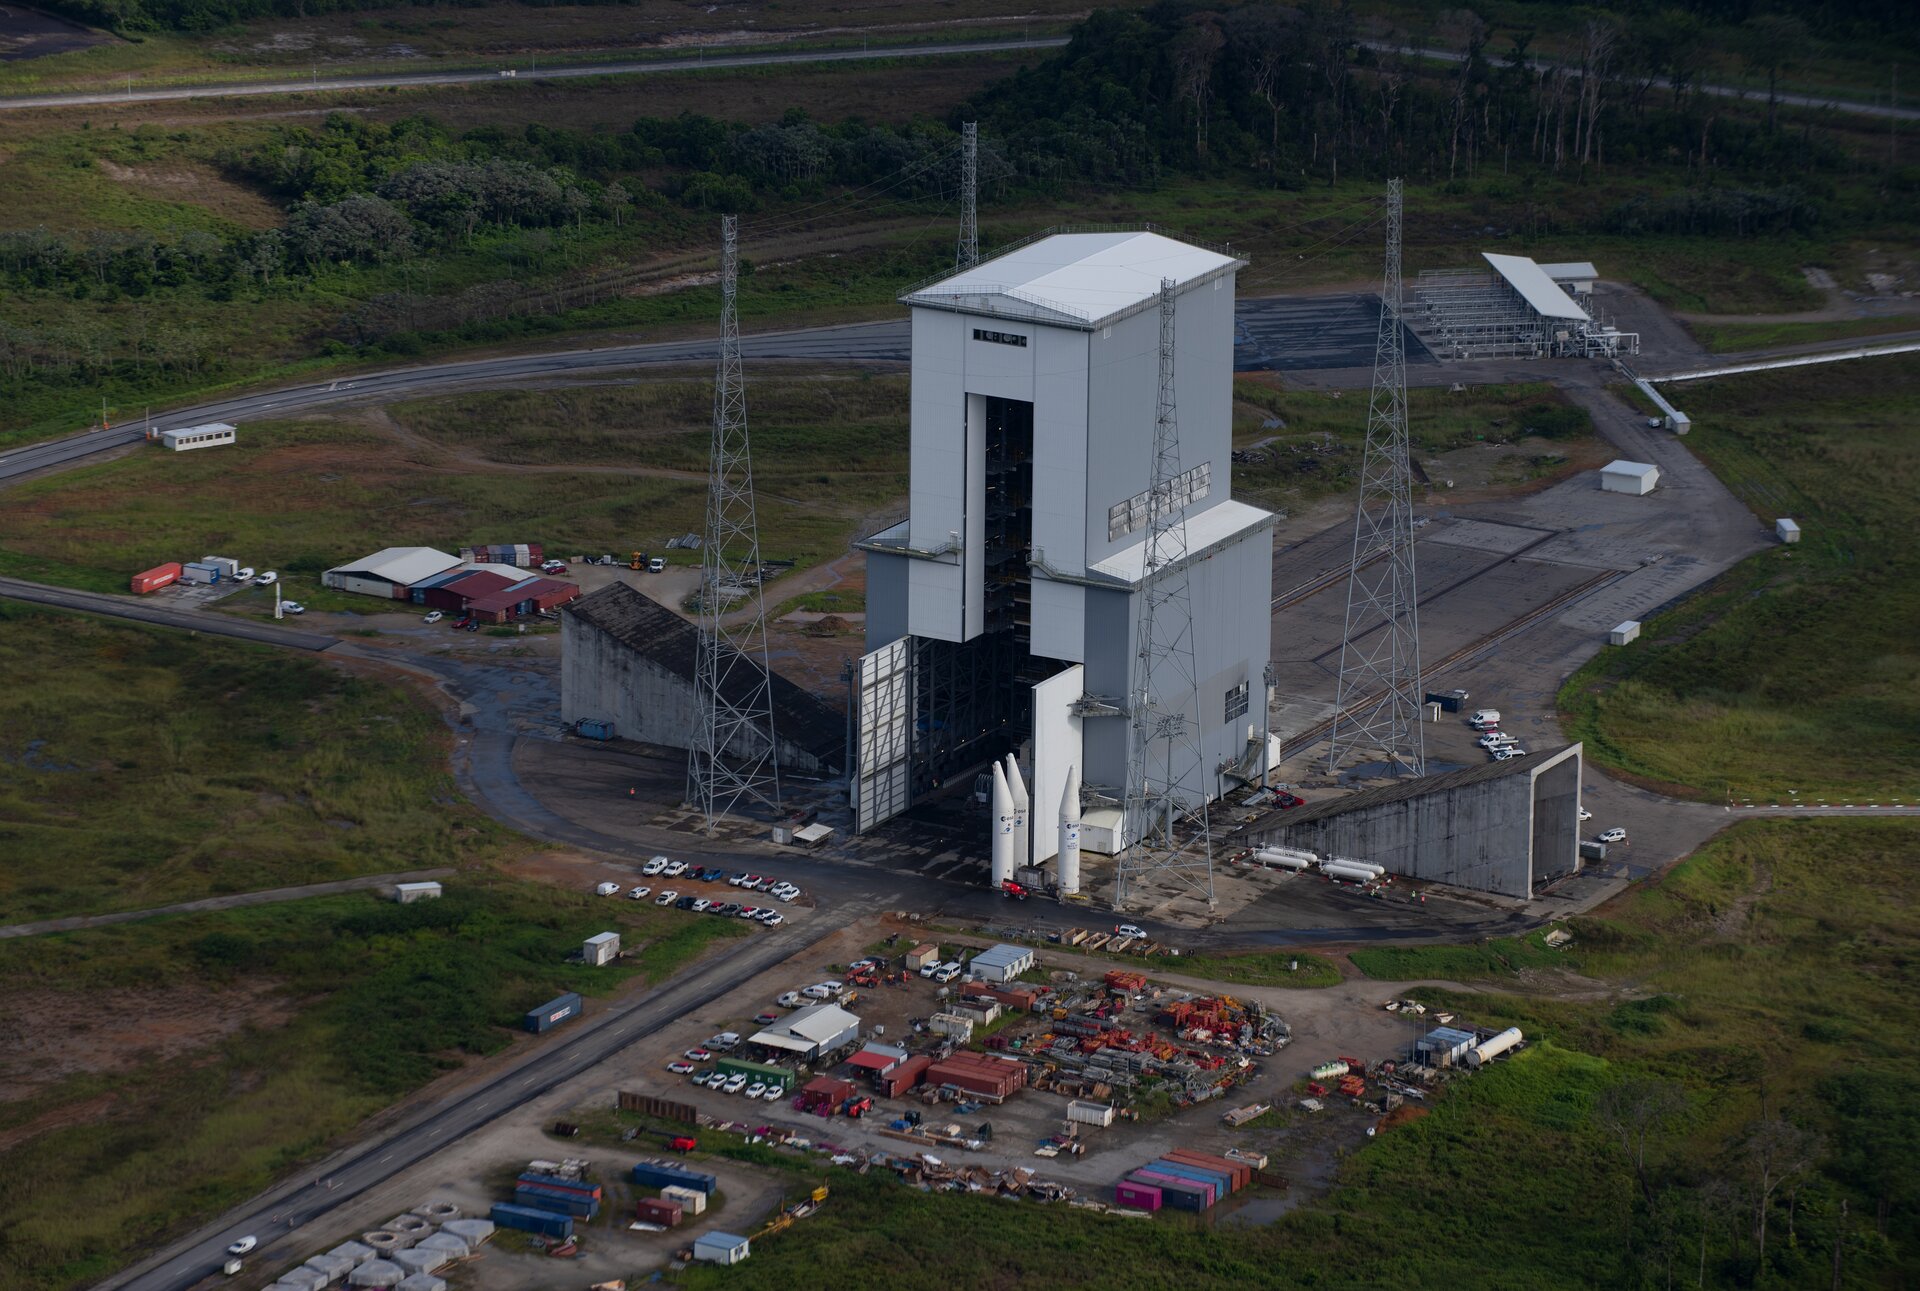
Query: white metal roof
{"points": [[807, 1027], [1214, 527], [1077, 279], [1540, 291], [1569, 270], [405, 565], [1638, 470], [999, 956]]}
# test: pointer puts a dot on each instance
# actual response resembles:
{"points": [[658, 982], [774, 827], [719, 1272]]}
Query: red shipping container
{"points": [[658, 1211], [153, 579], [1239, 1171], [905, 1076]]}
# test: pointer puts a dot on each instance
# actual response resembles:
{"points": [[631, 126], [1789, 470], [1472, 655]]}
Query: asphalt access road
{"points": [[233, 901], [321, 1188], [1268, 329], [572, 71], [125, 607]]}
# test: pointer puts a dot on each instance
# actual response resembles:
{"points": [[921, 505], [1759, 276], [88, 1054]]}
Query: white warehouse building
{"points": [[1003, 613]]}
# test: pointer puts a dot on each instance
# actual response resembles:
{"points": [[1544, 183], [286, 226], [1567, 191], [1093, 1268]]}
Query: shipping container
{"points": [[653, 1210], [565, 1185], [198, 572], [1221, 1181], [1175, 1194], [553, 1012], [692, 1201], [904, 1077], [1089, 1113], [561, 1203], [529, 1220], [1239, 1173], [150, 580], [1136, 1196], [761, 1071], [592, 728], [658, 1174]]}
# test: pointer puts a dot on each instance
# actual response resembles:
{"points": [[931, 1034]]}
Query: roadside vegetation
{"points": [[1793, 677], [232, 250], [142, 767], [1724, 338], [1738, 1103], [621, 468]]}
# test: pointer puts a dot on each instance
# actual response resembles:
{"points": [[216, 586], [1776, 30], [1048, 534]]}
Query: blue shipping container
{"points": [[528, 1220], [656, 1174], [553, 1012], [1222, 1183], [560, 1203], [564, 1185], [594, 729]]}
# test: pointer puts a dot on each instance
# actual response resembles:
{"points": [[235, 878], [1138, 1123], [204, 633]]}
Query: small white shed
{"points": [[408, 893], [720, 1248], [1624, 633], [1786, 531], [602, 948], [1638, 478]]}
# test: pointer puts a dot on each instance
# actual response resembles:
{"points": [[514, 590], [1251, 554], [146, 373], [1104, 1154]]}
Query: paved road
{"points": [[231, 902], [373, 1161], [126, 607], [572, 71]]}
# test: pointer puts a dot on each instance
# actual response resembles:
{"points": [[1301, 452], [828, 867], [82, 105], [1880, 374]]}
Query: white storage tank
{"points": [[1348, 873], [1624, 633], [1486, 1050], [1353, 864], [1622, 476]]}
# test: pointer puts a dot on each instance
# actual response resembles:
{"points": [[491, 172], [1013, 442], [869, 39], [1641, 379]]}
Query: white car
{"points": [[735, 1084], [1614, 836], [1507, 752], [267, 579], [641, 892], [244, 574], [947, 971], [1585, 814], [292, 607], [790, 1000], [816, 992], [775, 1093], [667, 898], [784, 892], [757, 1089], [607, 889], [655, 867], [771, 918], [702, 905], [675, 869], [433, 618], [1493, 739], [1129, 930], [242, 1246]]}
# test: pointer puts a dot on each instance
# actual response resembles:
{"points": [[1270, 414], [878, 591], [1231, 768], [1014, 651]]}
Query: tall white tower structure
{"points": [[1005, 613]]}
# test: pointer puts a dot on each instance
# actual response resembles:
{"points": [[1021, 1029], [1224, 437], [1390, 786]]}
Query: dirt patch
{"points": [[47, 1036], [199, 186], [59, 1118], [1405, 1114]]}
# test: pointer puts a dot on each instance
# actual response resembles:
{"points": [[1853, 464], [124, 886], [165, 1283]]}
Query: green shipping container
{"points": [[754, 1070]]}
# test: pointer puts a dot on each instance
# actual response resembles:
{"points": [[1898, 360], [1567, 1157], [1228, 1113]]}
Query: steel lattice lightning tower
{"points": [[731, 675], [1164, 749], [968, 254], [1380, 652]]}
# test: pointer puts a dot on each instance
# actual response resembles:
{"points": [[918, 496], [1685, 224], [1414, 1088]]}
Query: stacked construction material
{"points": [[979, 1073], [561, 1196]]}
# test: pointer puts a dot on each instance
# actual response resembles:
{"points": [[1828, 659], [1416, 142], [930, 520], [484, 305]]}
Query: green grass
{"points": [[1259, 969], [1495, 958], [382, 998], [1723, 338], [144, 767], [304, 496], [1796, 673]]}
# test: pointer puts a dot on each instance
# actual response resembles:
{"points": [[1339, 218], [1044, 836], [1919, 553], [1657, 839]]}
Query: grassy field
{"points": [[1796, 672], [365, 1001], [1767, 973], [619, 469], [1727, 338], [1262, 969], [1494, 958], [1308, 443], [146, 767]]}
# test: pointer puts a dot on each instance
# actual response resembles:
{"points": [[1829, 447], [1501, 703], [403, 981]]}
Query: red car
{"points": [[766, 1019], [1286, 800]]}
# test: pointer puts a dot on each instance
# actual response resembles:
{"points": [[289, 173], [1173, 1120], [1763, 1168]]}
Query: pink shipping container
{"points": [[1165, 1181], [154, 579], [1138, 1196]]}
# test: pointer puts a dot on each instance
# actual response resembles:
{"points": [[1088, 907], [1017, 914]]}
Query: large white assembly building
{"points": [[1003, 613]]}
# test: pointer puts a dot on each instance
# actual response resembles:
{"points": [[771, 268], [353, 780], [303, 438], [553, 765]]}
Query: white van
{"points": [[1485, 717]]}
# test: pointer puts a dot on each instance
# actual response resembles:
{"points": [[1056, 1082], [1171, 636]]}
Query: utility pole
{"points": [[733, 754], [1163, 756], [1380, 651], [968, 254]]}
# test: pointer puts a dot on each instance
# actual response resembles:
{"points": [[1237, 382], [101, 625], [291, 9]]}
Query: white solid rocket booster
{"points": [[1070, 834], [1002, 809], [1022, 809]]}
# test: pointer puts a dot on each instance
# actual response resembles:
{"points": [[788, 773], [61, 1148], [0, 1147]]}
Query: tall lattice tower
{"points": [[968, 254], [733, 755], [1380, 652], [1164, 748]]}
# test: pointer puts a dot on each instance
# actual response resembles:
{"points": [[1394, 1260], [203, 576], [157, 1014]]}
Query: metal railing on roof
{"points": [[1218, 248]]}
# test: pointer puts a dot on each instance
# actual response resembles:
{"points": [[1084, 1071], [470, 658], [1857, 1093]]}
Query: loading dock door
{"points": [[883, 716]]}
